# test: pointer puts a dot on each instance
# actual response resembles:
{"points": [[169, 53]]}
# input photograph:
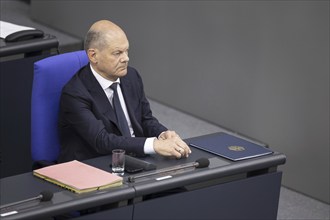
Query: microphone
{"points": [[200, 163], [43, 197]]}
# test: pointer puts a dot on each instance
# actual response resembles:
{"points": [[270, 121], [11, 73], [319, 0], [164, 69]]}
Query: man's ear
{"points": [[91, 53]]}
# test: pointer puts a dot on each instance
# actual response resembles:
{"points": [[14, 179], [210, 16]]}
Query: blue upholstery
{"points": [[50, 75]]}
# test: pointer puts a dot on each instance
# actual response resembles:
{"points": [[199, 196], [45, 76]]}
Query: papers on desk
{"points": [[7, 28], [78, 177]]}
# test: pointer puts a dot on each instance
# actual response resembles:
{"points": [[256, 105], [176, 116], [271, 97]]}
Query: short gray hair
{"points": [[95, 39]]}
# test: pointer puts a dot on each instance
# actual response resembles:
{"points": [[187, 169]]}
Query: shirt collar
{"points": [[105, 83]]}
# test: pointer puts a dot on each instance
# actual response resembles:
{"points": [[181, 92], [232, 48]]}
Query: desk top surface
{"points": [[28, 46], [25, 186]]}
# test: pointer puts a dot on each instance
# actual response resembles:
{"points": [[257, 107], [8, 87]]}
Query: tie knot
{"points": [[114, 86]]}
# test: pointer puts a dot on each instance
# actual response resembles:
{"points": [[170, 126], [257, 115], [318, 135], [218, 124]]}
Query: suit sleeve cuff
{"points": [[149, 146]]}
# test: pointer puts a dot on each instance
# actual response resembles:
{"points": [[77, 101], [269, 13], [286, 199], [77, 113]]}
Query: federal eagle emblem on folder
{"points": [[229, 146]]}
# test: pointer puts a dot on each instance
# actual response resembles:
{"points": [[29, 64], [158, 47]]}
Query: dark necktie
{"points": [[122, 122]]}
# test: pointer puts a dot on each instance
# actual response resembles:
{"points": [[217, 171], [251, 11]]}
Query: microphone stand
{"points": [[165, 170], [19, 202]]}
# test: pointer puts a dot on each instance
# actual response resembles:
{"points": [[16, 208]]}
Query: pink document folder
{"points": [[78, 177]]}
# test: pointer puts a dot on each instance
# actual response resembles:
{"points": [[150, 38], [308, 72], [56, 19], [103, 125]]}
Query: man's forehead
{"points": [[119, 44]]}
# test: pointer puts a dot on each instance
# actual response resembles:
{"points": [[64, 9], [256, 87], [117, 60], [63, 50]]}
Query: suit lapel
{"points": [[98, 95]]}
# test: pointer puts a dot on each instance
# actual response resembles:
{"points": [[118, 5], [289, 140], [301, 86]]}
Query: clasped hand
{"points": [[169, 143]]}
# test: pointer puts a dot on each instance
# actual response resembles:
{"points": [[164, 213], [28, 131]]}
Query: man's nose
{"points": [[125, 57]]}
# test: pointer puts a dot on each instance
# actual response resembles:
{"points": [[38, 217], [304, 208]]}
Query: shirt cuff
{"points": [[149, 146]]}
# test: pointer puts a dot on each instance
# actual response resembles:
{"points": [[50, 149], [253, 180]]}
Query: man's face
{"points": [[112, 61]]}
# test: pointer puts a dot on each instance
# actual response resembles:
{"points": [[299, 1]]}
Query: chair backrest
{"points": [[50, 75]]}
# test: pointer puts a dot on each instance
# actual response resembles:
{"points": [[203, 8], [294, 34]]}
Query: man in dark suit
{"points": [[88, 123]]}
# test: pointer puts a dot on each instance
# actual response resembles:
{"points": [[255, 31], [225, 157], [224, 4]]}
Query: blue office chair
{"points": [[50, 75]]}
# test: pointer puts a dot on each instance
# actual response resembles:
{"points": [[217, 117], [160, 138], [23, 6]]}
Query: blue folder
{"points": [[229, 146]]}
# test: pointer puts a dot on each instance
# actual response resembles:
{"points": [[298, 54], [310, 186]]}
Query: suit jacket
{"points": [[87, 122]]}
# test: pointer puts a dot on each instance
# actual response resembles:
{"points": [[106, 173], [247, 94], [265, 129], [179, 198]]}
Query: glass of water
{"points": [[118, 161]]}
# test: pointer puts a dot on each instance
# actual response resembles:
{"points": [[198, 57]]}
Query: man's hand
{"points": [[170, 144], [167, 134]]}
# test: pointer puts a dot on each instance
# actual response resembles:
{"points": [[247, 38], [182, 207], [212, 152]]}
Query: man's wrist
{"points": [[149, 146]]}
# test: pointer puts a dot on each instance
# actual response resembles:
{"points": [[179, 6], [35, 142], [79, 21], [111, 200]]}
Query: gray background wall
{"points": [[258, 67]]}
